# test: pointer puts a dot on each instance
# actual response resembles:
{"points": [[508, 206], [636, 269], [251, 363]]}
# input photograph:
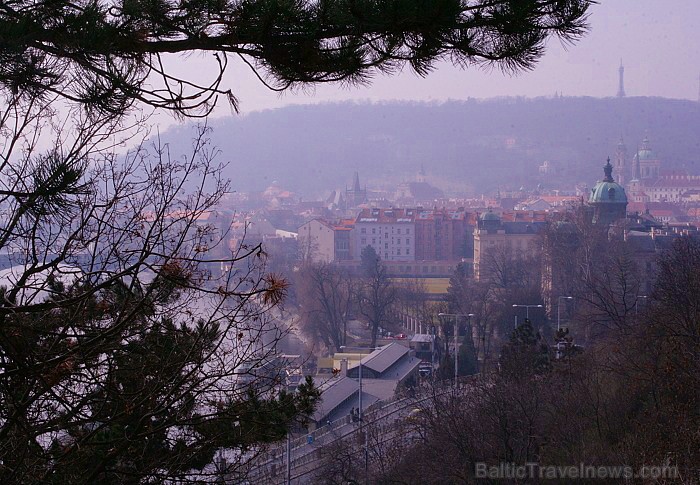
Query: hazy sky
{"points": [[657, 40]]}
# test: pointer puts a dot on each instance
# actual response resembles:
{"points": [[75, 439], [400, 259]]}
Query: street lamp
{"points": [[527, 308], [432, 354], [559, 299], [359, 412], [636, 303], [469, 317]]}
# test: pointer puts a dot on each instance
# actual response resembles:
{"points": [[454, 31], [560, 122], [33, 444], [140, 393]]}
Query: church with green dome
{"points": [[608, 199]]}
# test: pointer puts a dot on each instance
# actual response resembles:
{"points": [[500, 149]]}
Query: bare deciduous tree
{"points": [[120, 335], [377, 294], [327, 296]]}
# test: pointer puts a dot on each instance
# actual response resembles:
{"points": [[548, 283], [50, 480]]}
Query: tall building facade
{"points": [[391, 232], [317, 241], [444, 235], [514, 234]]}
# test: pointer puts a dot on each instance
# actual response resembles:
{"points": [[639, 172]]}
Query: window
{"points": [[386, 245], [408, 241], [398, 231], [374, 240], [408, 251], [398, 251], [374, 230], [408, 231], [386, 256], [363, 230], [363, 241]]}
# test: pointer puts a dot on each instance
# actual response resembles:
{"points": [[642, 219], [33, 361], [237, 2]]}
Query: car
{"points": [[401, 336], [415, 415]]}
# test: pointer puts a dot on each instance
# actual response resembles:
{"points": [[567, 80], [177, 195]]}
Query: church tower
{"points": [[649, 163], [356, 195], [621, 169], [621, 84]]}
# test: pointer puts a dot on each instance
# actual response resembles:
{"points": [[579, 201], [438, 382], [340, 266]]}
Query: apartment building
{"points": [[391, 232]]}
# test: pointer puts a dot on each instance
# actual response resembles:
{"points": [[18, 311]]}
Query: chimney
{"points": [[343, 367]]}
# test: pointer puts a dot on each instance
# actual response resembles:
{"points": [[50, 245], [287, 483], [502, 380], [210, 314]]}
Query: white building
{"points": [[391, 232], [317, 237]]}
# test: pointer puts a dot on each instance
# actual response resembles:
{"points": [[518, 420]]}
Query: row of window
{"points": [[422, 269], [363, 242], [363, 230]]}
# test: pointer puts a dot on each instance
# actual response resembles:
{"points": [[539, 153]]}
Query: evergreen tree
{"points": [[468, 361], [525, 354], [370, 263], [110, 54]]}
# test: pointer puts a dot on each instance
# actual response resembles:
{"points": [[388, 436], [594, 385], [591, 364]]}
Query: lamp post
{"points": [[432, 354], [527, 308], [289, 458], [469, 316], [559, 299], [636, 303], [359, 415]]}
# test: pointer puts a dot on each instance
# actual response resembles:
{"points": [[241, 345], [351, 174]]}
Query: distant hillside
{"points": [[482, 144]]}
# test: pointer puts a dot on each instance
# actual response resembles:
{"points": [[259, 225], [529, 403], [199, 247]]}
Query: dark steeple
{"points": [[356, 195], [356, 183]]}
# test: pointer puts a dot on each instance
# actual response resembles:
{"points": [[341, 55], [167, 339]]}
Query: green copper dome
{"points": [[490, 216], [607, 190]]}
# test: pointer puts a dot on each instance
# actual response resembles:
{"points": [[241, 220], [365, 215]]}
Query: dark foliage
{"points": [[101, 53]]}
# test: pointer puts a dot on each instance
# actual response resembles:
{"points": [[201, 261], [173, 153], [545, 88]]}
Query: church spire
{"points": [[356, 183], [621, 84]]}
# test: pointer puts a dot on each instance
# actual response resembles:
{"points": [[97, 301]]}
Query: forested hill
{"points": [[483, 143]]}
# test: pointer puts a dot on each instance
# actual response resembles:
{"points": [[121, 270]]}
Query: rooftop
{"points": [[386, 216], [383, 358], [334, 392]]}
